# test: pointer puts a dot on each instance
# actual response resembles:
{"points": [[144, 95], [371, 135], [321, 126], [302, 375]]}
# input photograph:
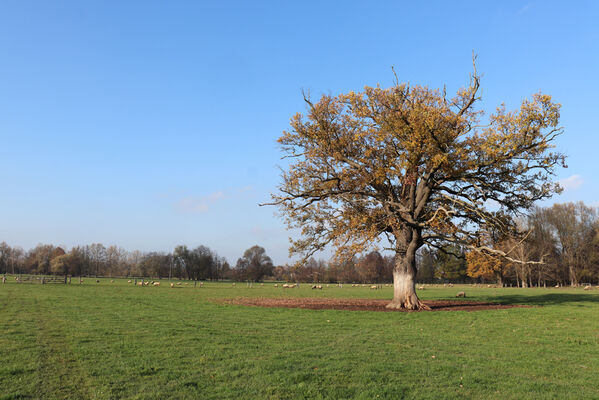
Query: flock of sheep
{"points": [[143, 282], [155, 283]]}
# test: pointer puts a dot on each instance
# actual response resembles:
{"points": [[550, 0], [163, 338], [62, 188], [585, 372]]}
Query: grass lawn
{"points": [[114, 340]]}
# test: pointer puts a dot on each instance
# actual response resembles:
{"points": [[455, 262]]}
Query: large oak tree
{"points": [[410, 167]]}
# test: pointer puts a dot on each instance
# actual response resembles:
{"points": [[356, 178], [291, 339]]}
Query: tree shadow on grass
{"points": [[546, 299]]}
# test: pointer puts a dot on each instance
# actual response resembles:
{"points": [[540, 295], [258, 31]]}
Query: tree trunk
{"points": [[573, 277], [404, 284], [499, 279]]}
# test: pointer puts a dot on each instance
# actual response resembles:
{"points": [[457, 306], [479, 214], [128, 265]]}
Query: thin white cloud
{"points": [[245, 189], [572, 182], [198, 204], [524, 9]]}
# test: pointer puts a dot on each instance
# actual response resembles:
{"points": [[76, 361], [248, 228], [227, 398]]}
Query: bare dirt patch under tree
{"points": [[364, 304]]}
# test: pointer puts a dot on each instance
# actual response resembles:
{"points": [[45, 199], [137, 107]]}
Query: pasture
{"points": [[118, 341]]}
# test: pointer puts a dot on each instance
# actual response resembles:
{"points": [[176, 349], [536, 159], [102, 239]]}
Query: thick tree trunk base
{"points": [[408, 305], [404, 293]]}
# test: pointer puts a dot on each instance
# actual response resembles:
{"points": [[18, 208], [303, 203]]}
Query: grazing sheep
{"points": [[373, 287], [140, 283], [285, 286], [461, 294], [276, 285], [587, 288], [179, 284], [233, 283], [112, 281], [313, 286], [129, 281], [156, 283], [420, 287]]}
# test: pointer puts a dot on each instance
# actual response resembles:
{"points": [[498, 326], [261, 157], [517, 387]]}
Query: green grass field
{"points": [[114, 340]]}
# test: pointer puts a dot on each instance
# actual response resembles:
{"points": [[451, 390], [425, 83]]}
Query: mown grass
{"points": [[114, 340]]}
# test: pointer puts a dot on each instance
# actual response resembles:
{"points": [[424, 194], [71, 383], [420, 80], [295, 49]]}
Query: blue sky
{"points": [[151, 124]]}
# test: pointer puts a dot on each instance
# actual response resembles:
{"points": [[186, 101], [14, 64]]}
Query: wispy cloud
{"points": [[524, 9], [198, 204], [572, 182]]}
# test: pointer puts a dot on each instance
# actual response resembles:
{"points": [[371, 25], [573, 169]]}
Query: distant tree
{"points": [[5, 252], [426, 269], [573, 226], [372, 267], [450, 263], [155, 264], [97, 254], [60, 265], [115, 261], [410, 166], [16, 259], [255, 264], [38, 259]]}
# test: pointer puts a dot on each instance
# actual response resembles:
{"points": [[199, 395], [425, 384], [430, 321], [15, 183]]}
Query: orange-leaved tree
{"points": [[410, 165]]}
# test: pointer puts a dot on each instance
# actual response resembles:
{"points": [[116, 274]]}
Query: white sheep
{"points": [[156, 283], [461, 294]]}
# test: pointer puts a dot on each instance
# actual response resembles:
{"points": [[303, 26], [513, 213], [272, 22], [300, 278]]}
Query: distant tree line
{"points": [[561, 247], [99, 260]]}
